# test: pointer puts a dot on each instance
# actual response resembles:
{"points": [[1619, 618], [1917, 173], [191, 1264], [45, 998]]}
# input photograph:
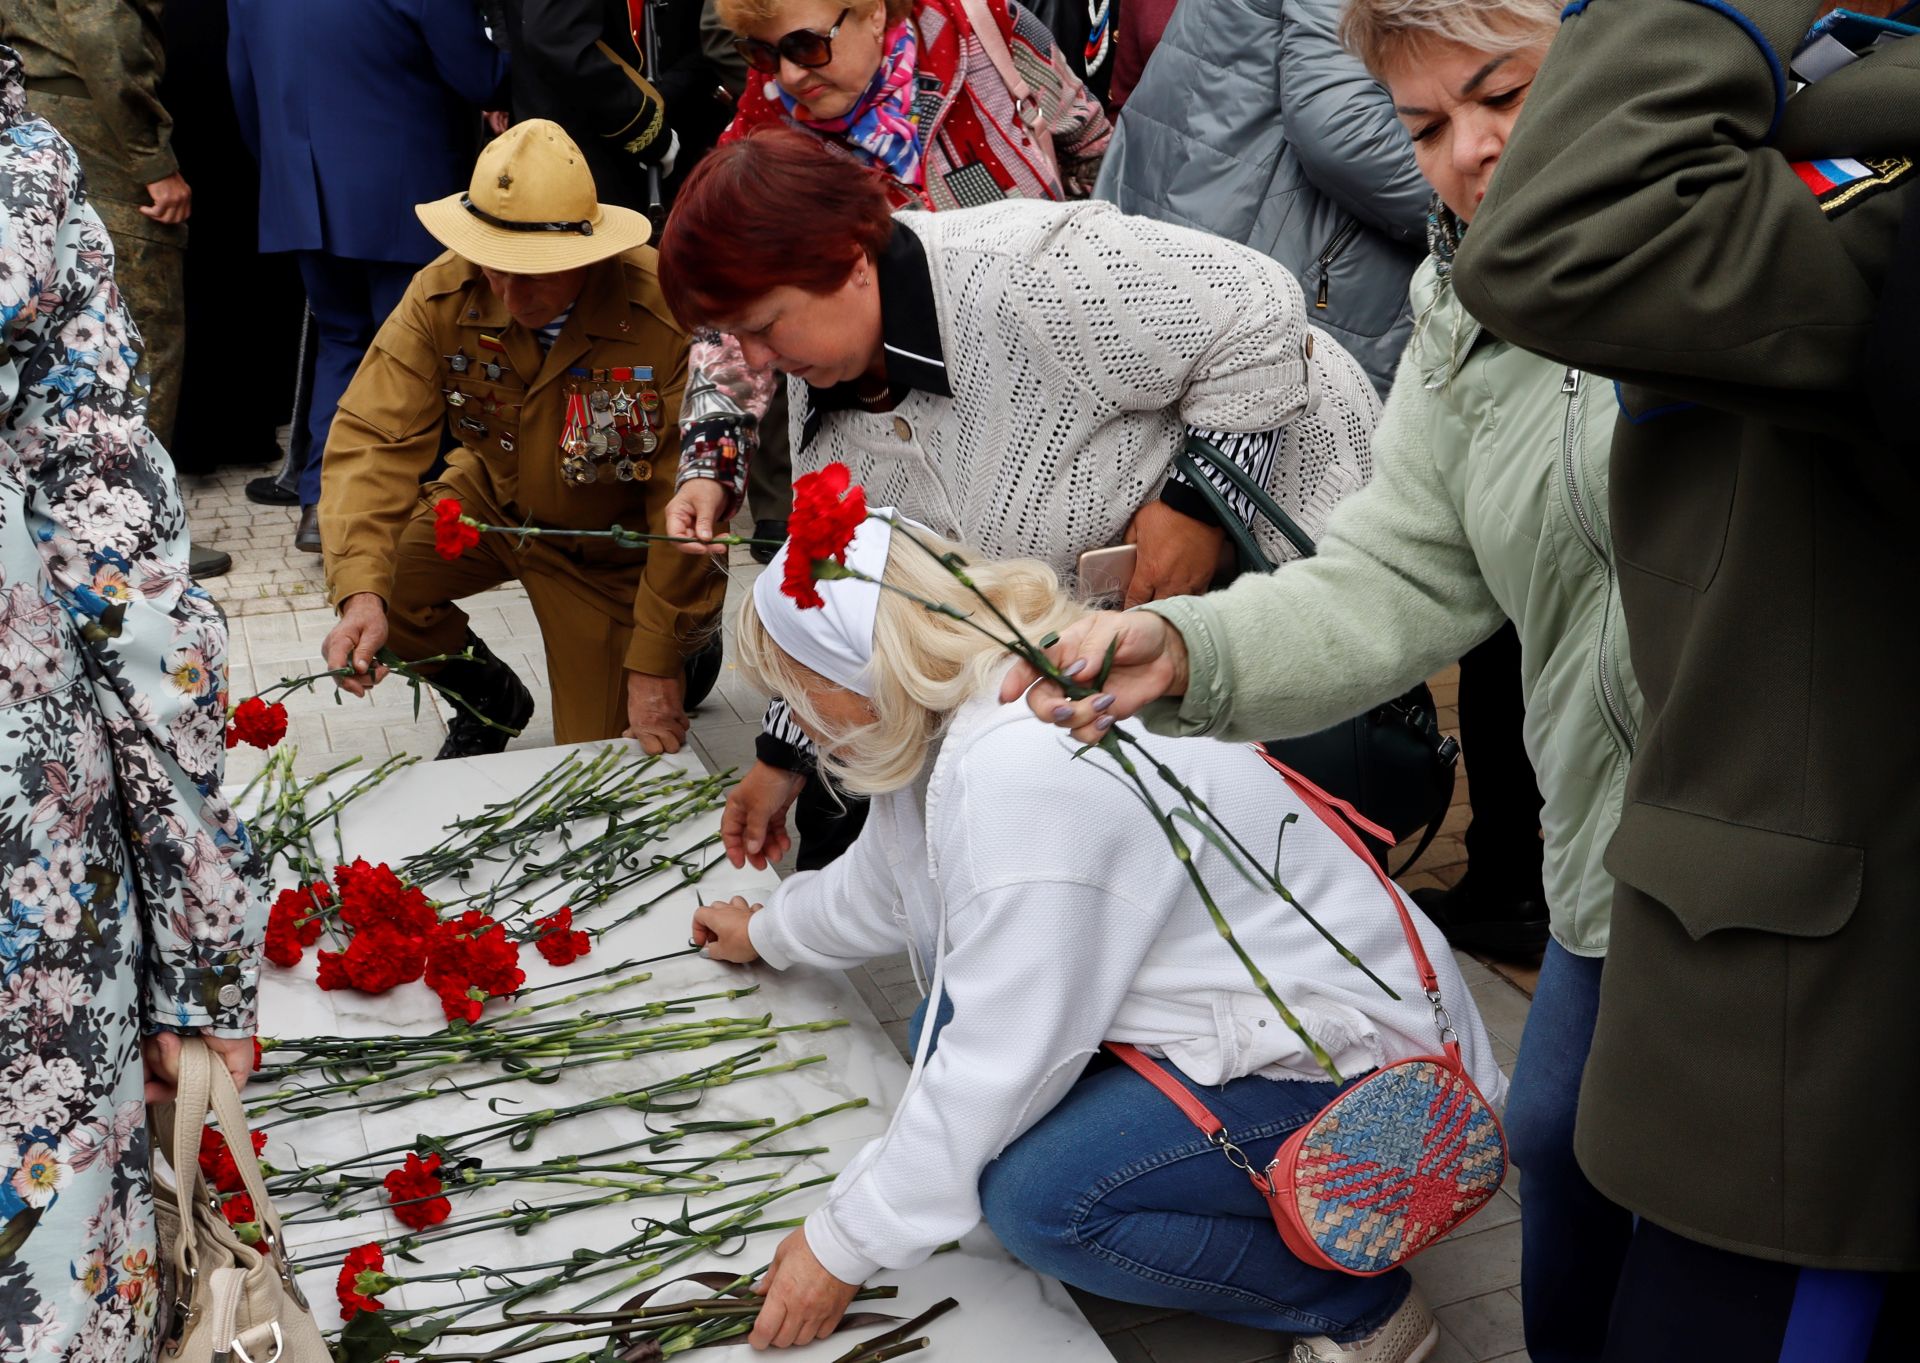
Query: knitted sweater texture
{"points": [[1066, 922], [1079, 344]]}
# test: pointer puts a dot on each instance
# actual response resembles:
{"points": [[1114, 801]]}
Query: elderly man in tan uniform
{"points": [[542, 342]]}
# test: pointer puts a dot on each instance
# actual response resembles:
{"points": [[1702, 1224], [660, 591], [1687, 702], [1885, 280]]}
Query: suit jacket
{"points": [[1666, 216], [623, 116], [357, 111]]}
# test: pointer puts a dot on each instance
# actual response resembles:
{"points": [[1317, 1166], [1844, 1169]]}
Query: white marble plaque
{"points": [[1005, 1312]]}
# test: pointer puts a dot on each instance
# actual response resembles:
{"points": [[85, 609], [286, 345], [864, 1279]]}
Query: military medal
{"points": [[455, 398], [623, 470], [506, 443], [492, 370], [473, 425], [575, 466], [458, 362]]}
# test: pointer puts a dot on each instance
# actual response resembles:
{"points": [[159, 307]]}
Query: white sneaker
{"points": [[1409, 1335]]}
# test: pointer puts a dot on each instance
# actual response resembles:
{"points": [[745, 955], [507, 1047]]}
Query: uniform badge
{"points": [[1843, 182], [492, 370], [455, 398], [506, 443], [458, 362]]}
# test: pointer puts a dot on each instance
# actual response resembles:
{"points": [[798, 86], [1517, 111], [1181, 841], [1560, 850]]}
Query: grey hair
{"points": [[1380, 32]]}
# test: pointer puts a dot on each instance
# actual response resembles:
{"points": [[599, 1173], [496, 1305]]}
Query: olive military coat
{"points": [[1668, 215]]}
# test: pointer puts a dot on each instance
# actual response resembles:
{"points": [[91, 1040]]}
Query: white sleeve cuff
{"points": [[833, 1251], [769, 939]]}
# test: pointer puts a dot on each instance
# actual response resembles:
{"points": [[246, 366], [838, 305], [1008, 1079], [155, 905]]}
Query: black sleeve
{"points": [[564, 40]]}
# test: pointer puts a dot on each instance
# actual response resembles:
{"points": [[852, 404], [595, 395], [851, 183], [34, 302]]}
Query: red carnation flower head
{"points": [[453, 532], [293, 923], [469, 960], [414, 1189], [363, 1277], [216, 1160], [558, 941], [828, 507], [256, 722]]}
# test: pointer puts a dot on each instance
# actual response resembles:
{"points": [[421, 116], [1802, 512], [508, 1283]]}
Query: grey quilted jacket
{"points": [[1252, 122]]}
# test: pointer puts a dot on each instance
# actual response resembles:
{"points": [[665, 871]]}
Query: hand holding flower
{"points": [[804, 1302], [722, 930]]}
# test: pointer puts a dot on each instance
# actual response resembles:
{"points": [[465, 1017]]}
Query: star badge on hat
{"points": [[531, 207]]}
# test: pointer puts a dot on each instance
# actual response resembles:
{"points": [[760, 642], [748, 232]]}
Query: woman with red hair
{"points": [[1022, 376]]}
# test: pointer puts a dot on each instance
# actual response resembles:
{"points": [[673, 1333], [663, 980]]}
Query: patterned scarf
{"points": [[880, 125], [1444, 231]]}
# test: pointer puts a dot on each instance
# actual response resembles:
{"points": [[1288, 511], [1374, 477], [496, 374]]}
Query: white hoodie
{"points": [[1067, 921]]}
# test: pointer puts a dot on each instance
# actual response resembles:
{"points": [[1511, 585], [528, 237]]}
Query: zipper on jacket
{"points": [[1570, 458], [1348, 231]]}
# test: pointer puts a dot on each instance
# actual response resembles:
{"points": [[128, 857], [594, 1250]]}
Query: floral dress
{"points": [[128, 889]]}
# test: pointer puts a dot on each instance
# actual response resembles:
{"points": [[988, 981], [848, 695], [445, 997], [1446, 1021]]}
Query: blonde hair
{"points": [[1380, 32], [741, 15], [925, 665]]}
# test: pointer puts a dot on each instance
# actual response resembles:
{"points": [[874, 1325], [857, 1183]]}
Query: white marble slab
{"points": [[1006, 1311]]}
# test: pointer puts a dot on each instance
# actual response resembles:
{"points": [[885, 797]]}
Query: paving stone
{"points": [[1109, 1316], [1503, 1008], [1125, 1348], [1455, 1270], [1488, 1325], [1450, 1350], [1196, 1339]]}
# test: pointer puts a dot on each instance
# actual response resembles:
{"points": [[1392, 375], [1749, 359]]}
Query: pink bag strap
{"points": [[1343, 819], [1026, 103], [1196, 1111]]}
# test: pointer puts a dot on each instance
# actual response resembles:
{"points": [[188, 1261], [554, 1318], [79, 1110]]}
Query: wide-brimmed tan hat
{"points": [[532, 207]]}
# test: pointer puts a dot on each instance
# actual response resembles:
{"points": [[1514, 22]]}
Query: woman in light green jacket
{"points": [[1488, 502]]}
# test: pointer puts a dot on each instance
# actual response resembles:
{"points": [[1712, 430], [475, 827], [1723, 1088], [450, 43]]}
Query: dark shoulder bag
{"points": [[1392, 763]]}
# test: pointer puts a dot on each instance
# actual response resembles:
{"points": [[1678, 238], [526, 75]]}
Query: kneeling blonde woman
{"points": [[1049, 915]]}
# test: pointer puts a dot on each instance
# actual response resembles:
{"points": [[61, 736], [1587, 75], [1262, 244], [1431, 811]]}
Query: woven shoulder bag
{"points": [[1393, 1163], [230, 1302]]}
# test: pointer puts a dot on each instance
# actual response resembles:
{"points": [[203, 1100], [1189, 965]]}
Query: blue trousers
{"points": [[1573, 1241], [1115, 1192], [350, 299]]}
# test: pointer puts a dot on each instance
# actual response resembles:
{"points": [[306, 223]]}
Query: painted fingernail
{"points": [[1062, 713], [1074, 668], [1104, 723], [1102, 704]]}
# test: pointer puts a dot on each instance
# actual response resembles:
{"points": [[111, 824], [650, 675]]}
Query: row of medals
{"points": [[622, 428]]}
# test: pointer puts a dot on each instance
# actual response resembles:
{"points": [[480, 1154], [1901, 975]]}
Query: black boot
{"points": [[489, 686], [1507, 928]]}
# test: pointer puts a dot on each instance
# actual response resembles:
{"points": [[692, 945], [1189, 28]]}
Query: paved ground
{"points": [[275, 600]]}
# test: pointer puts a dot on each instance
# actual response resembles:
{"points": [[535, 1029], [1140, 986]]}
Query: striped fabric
{"points": [[1253, 451]]}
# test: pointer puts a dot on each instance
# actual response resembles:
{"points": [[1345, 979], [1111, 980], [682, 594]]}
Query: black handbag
{"points": [[1392, 763]]}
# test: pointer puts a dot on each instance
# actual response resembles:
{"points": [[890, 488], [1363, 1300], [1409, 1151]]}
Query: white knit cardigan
{"points": [[1079, 344], [1066, 921]]}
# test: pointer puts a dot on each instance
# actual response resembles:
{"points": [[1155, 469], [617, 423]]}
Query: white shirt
{"points": [[1067, 922]]}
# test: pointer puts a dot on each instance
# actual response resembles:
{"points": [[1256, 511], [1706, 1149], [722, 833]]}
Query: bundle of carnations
{"points": [[390, 934]]}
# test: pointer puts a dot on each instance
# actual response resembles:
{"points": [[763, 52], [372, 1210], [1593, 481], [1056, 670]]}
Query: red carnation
{"points": [[216, 1160], [470, 959], [373, 896], [293, 923], [414, 1189], [557, 940], [256, 722], [827, 510], [362, 1278], [453, 533]]}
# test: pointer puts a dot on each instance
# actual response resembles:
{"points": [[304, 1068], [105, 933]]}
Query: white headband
{"points": [[835, 640]]}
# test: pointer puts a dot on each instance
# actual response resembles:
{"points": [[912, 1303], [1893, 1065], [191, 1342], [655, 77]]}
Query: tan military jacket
{"points": [[387, 432]]}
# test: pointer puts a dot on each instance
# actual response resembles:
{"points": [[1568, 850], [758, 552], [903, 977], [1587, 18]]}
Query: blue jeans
{"points": [[1573, 1241], [1117, 1193]]}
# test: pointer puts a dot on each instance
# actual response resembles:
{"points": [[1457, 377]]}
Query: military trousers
{"points": [[149, 258], [586, 619]]}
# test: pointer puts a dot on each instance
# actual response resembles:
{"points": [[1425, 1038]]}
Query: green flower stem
{"points": [[620, 535], [521, 1130], [1185, 856]]}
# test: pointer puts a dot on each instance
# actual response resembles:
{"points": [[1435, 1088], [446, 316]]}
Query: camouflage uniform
{"points": [[93, 70]]}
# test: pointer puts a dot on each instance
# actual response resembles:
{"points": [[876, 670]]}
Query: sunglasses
{"points": [[803, 47]]}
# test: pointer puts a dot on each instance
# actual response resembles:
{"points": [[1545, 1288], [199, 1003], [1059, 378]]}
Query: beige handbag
{"points": [[231, 1302]]}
